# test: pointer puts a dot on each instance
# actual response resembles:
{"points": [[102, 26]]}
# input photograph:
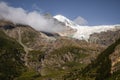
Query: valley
{"points": [[47, 57]]}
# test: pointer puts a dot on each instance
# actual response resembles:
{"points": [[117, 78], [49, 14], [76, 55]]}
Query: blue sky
{"points": [[96, 12]]}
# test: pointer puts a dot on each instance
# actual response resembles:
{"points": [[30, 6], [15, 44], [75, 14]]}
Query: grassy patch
{"points": [[29, 75]]}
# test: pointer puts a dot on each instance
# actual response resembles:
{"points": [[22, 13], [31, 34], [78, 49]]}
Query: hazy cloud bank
{"points": [[34, 18]]}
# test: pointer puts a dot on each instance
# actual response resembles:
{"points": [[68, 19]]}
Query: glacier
{"points": [[84, 32]]}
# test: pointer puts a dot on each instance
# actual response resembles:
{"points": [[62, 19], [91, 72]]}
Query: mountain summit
{"points": [[65, 20], [38, 55], [83, 32]]}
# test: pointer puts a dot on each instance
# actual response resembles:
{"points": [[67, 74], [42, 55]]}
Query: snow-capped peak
{"points": [[83, 32], [66, 21]]}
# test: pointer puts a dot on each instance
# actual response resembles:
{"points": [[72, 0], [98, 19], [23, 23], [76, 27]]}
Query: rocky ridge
{"points": [[54, 57]]}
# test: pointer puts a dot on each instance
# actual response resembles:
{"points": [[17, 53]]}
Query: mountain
{"points": [[61, 28], [66, 21], [105, 38], [28, 54], [105, 67], [44, 54], [84, 32], [11, 58]]}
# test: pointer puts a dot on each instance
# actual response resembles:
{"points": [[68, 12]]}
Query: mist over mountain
{"points": [[55, 24], [22, 16]]}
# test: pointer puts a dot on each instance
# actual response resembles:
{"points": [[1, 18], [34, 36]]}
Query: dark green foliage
{"points": [[29, 75], [102, 65], [99, 69], [115, 76], [11, 53]]}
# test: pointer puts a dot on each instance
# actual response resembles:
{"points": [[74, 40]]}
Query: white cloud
{"points": [[34, 18], [80, 21]]}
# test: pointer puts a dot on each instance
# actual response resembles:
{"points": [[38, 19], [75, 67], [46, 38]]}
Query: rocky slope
{"points": [[105, 38], [11, 58], [29, 36], [46, 57], [104, 67]]}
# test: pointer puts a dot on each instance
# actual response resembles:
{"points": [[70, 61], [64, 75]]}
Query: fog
{"points": [[22, 16]]}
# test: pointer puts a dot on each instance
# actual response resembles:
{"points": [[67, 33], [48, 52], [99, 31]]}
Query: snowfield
{"points": [[83, 32]]}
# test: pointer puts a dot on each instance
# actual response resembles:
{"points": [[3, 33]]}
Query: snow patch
{"points": [[83, 32]]}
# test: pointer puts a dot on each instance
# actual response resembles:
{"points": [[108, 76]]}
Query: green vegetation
{"points": [[11, 63], [29, 75], [69, 62], [63, 60], [100, 69], [115, 76]]}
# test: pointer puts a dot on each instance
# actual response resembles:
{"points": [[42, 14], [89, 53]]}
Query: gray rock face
{"points": [[53, 56], [105, 38]]}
